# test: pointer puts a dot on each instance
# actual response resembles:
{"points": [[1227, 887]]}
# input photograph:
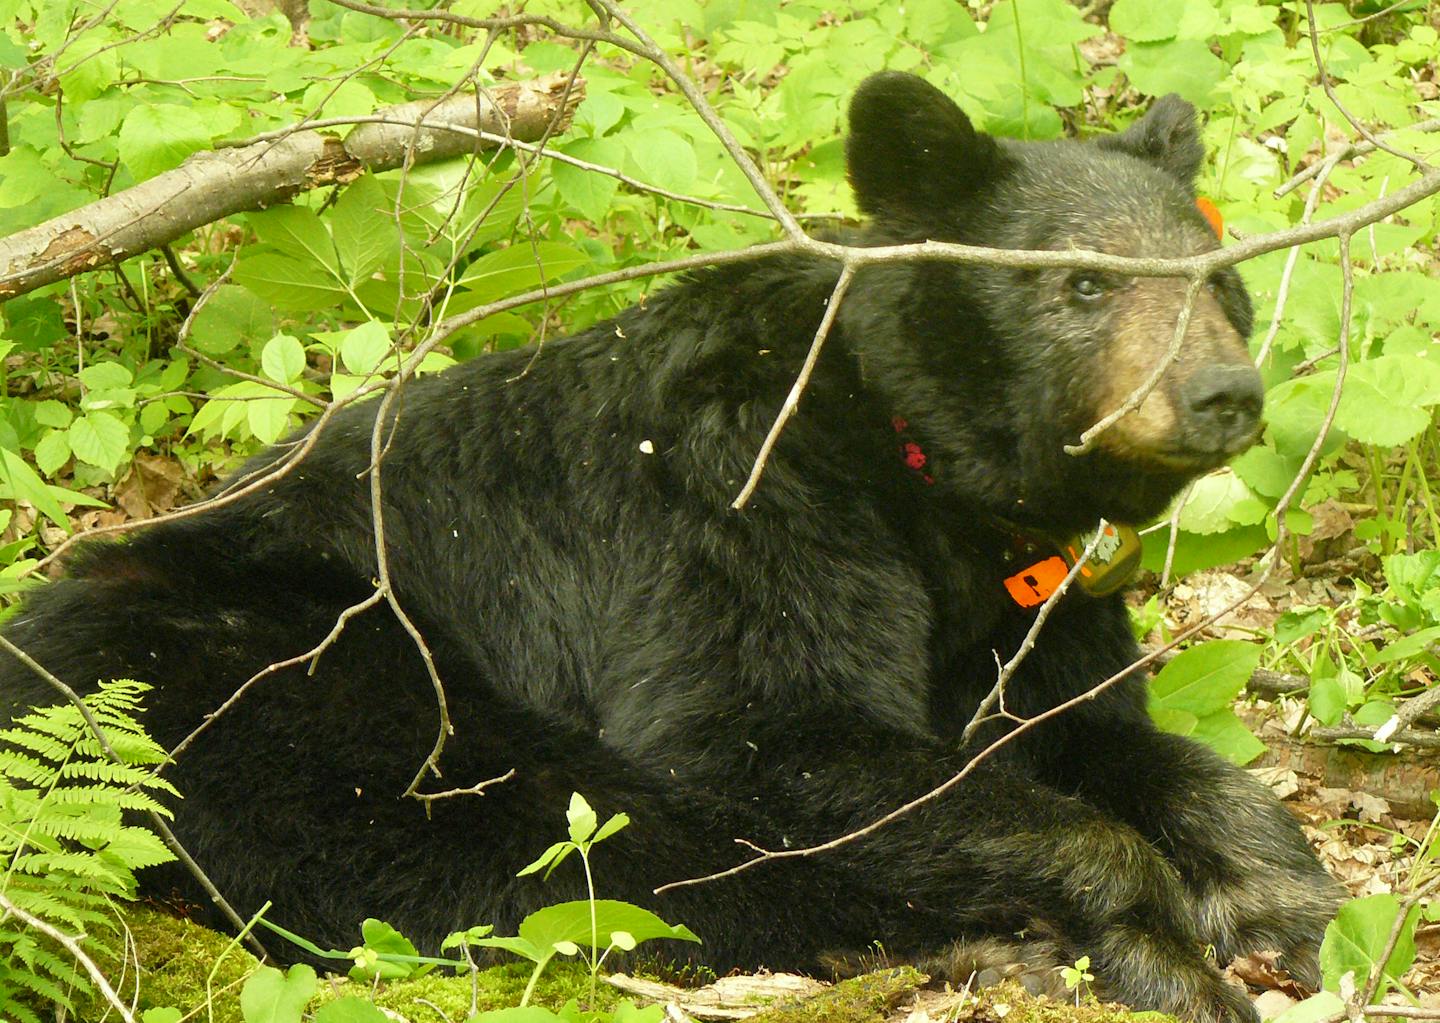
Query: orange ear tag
{"points": [[1212, 216]]}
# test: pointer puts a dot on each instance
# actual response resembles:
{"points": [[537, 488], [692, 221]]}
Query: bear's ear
{"points": [[1166, 136], [911, 150]]}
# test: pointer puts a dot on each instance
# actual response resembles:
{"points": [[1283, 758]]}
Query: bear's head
{"points": [[998, 369]]}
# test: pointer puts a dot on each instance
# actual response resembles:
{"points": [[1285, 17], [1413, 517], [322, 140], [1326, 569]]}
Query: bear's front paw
{"points": [[1271, 911]]}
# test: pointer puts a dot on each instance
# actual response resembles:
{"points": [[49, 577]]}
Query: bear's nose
{"points": [[1222, 404]]}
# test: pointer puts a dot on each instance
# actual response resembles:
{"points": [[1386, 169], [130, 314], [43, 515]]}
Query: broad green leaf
{"points": [[23, 177], [383, 938], [1185, 66], [270, 996], [51, 412], [662, 158], [590, 192], [106, 376], [580, 818], [24, 485], [283, 359], [53, 451], [1386, 400], [290, 284], [362, 348], [1218, 502], [159, 136], [298, 233], [1177, 722], [1146, 21], [268, 418], [1205, 679], [1227, 735], [1356, 938], [100, 439], [364, 228], [570, 921], [232, 316], [165, 1015], [519, 268]]}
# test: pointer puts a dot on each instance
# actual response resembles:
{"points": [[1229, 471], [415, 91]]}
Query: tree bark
{"points": [[217, 183]]}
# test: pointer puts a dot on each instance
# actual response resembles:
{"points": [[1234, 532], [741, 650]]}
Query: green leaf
{"points": [[349, 1009], [518, 1014], [233, 315], [53, 452], [519, 268], [580, 818], [165, 1015], [103, 376], [1332, 696], [1313, 1009], [1356, 938], [101, 439], [159, 136], [268, 418], [551, 858], [270, 996], [662, 158], [362, 348], [383, 938], [1206, 678], [283, 359], [364, 228], [51, 412], [570, 921], [297, 232], [1146, 21], [1227, 735], [611, 826], [1408, 646], [1386, 400], [289, 284], [1185, 66], [1219, 502], [589, 191]]}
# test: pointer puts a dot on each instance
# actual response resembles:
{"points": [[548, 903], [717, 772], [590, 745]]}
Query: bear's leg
{"points": [[1253, 879], [1004, 854]]}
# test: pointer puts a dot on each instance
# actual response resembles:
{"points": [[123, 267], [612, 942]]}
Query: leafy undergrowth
{"points": [[201, 971], [178, 960]]}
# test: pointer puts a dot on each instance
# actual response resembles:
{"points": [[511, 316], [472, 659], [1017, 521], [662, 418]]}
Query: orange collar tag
{"points": [[1033, 585], [1113, 563], [1212, 216]]}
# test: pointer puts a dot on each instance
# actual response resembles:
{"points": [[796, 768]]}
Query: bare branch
{"points": [[792, 400], [1137, 397], [216, 184]]}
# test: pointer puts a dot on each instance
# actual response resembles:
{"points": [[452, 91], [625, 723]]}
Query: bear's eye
{"points": [[1087, 286]]}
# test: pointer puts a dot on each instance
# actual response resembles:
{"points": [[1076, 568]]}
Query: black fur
{"points": [[603, 622]]}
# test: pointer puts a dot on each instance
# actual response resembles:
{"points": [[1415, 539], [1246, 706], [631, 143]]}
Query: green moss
{"points": [[864, 999], [175, 957], [1010, 1003]]}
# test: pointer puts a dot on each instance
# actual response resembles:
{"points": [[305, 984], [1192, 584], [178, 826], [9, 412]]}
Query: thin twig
{"points": [[1137, 397], [1329, 87], [792, 400]]}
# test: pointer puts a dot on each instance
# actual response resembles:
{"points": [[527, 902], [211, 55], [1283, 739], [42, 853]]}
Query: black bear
{"points": [[558, 525]]}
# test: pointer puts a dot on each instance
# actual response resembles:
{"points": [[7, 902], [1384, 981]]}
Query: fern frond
{"points": [[65, 849]]}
